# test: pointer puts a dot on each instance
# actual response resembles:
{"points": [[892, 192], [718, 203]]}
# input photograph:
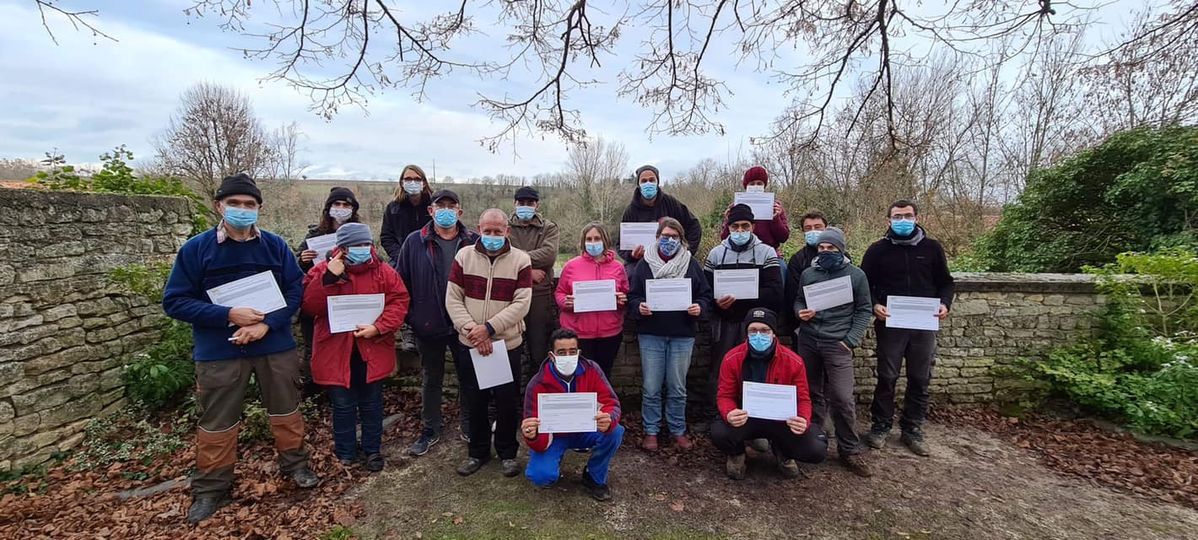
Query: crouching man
{"points": [[566, 372]]}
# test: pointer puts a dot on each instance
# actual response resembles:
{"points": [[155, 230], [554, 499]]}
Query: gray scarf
{"points": [[916, 238], [673, 268]]}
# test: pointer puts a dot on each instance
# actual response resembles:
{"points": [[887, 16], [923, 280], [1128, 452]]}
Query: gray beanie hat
{"points": [[831, 235], [643, 168], [352, 234]]}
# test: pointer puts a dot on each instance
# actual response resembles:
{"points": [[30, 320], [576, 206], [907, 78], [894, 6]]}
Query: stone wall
{"points": [[64, 328]]}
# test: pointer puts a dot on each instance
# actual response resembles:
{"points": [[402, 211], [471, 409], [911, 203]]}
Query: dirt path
{"points": [[974, 486]]}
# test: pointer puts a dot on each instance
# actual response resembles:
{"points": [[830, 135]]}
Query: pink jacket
{"points": [[592, 325]]}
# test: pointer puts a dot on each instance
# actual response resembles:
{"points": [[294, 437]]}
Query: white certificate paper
{"points": [[769, 401], [829, 294], [760, 202], [322, 245], [668, 294], [568, 413], [347, 311], [637, 234], [913, 312], [599, 295], [740, 283], [259, 291], [493, 369]]}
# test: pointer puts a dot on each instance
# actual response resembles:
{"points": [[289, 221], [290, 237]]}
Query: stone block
{"points": [[58, 360]]}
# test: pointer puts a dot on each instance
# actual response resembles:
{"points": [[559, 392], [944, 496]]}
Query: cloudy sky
{"points": [[84, 96]]}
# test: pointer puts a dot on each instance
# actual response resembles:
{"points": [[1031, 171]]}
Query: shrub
{"points": [[161, 374]]}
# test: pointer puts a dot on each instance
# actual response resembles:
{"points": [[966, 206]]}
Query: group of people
{"points": [[464, 292]]}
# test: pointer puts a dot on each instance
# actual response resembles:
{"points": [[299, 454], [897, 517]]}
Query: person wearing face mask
{"points": [[408, 212], [827, 342], [538, 237], [666, 338], [649, 205], [490, 289], [567, 371], [230, 344], [773, 231], [741, 250], [600, 332], [813, 223], [761, 359], [904, 262], [353, 364], [424, 264]]}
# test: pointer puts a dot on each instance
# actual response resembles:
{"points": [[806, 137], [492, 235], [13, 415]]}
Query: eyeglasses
{"points": [[671, 236], [766, 332], [411, 179]]}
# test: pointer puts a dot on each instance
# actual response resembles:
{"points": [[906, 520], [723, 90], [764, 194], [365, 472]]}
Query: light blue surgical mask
{"points": [[357, 254], [649, 190], [446, 217], [240, 218], [668, 246], [812, 237], [595, 249], [525, 212], [760, 342], [740, 238], [902, 227], [412, 187], [493, 243]]}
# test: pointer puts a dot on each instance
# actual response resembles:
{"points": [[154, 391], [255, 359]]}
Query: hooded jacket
{"points": [[914, 266], [417, 265], [331, 352], [538, 237], [756, 255], [597, 324], [588, 377], [847, 322], [666, 206], [772, 232]]}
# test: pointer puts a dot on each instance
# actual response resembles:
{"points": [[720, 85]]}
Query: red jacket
{"points": [[588, 377], [786, 368], [599, 324], [331, 352]]}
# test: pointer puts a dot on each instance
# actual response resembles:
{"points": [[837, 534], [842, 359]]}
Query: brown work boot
{"points": [[735, 467], [857, 464], [683, 442], [789, 468], [649, 443]]}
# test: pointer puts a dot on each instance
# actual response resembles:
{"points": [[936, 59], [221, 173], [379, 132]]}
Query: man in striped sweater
{"points": [[489, 293]]}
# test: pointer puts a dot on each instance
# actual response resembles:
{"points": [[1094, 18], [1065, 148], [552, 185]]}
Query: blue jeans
{"points": [[544, 468], [359, 401], [664, 359]]}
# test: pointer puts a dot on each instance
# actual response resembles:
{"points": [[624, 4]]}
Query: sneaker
{"points": [[304, 478], [683, 442], [760, 445], [347, 462], [510, 467], [599, 492], [914, 441], [649, 443], [420, 447], [735, 467], [789, 468], [857, 464], [374, 462], [581, 450], [876, 438], [203, 506], [470, 466]]}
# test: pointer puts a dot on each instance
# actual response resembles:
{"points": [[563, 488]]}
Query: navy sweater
{"points": [[203, 264], [668, 323]]}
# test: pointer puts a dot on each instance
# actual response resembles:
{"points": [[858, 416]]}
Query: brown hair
{"points": [[671, 223], [813, 214], [582, 238], [425, 193]]}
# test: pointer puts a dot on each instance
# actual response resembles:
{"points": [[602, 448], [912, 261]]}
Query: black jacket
{"points": [[666, 206], [907, 270], [800, 261], [668, 323], [400, 219]]}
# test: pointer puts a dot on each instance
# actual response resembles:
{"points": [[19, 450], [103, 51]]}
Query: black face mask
{"points": [[831, 260]]}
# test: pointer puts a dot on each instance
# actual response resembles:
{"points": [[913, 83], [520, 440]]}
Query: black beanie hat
{"points": [[762, 315], [238, 184], [341, 194], [739, 212]]}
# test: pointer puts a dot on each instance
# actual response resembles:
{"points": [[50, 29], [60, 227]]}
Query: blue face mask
{"points": [[446, 217], [902, 227], [493, 243], [525, 212], [760, 342], [595, 249], [740, 238], [668, 246], [357, 254], [812, 237], [240, 218], [649, 190]]}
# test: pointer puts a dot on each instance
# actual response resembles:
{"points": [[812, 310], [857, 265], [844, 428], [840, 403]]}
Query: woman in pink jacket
{"points": [[599, 332]]}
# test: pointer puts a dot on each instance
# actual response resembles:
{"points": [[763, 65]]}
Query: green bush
{"points": [[1138, 190], [162, 373]]}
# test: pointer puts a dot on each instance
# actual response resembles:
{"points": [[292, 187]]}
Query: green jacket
{"points": [[538, 236], [845, 322]]}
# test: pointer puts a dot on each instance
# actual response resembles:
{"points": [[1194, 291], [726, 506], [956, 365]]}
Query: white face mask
{"points": [[754, 189], [341, 214], [413, 187], [565, 364]]}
